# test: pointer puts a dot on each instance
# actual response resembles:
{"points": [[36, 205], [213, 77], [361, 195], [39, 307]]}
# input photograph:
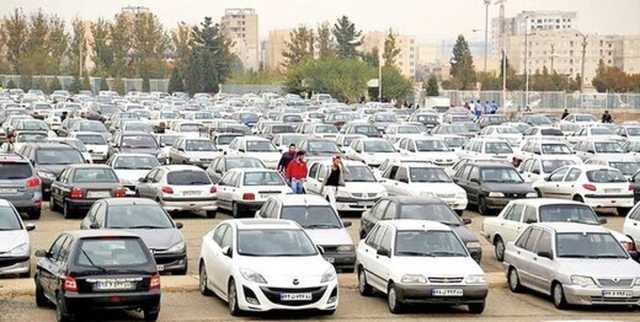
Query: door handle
{"points": [[635, 224], [535, 258]]}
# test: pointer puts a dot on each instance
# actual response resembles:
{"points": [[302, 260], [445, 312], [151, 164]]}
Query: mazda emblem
{"points": [[296, 281]]}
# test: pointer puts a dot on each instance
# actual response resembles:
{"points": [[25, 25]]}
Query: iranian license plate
{"points": [[8, 190], [447, 292], [114, 285], [611, 190], [617, 294], [191, 193], [365, 203], [295, 297], [98, 194]]}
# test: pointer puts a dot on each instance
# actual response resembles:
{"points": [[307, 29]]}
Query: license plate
{"points": [[191, 193], [160, 268], [8, 190], [611, 190], [114, 285], [617, 294], [98, 194], [365, 203], [447, 292], [295, 297]]}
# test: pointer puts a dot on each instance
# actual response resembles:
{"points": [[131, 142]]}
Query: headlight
{"points": [[344, 194], [252, 276], [329, 275], [584, 281], [473, 245], [48, 175], [345, 249], [496, 194], [20, 250], [475, 279], [532, 195], [636, 282], [413, 279], [177, 248]]}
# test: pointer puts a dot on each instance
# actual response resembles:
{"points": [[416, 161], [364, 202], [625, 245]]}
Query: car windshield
{"points": [[356, 173], [101, 175], [568, 213], [502, 175], [608, 147], [188, 178], [322, 147], [588, 245], [263, 178], [260, 146], [326, 129], [190, 127], [555, 149], [453, 129], [409, 130], [551, 132], [275, 242], [549, 166], [33, 125], [472, 127], [58, 156], [601, 131], [431, 145], [378, 146], [507, 130], [139, 142], [225, 139], [454, 142], [31, 137], [539, 120], [96, 139], [200, 145], [498, 147], [138, 127], [432, 243], [141, 162], [385, 118], [605, 176], [282, 129], [112, 252], [9, 219], [92, 127], [12, 171], [137, 217], [168, 140], [430, 211], [428, 175], [312, 217], [234, 163], [628, 168], [292, 118]]}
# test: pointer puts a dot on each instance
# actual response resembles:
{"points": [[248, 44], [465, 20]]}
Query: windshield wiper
{"points": [[410, 253], [93, 264], [329, 226], [441, 253], [142, 227]]}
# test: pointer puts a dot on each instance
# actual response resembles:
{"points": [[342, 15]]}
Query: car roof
{"points": [[567, 227], [251, 223], [301, 200], [537, 202], [410, 200], [129, 201], [92, 233], [412, 224], [589, 167]]}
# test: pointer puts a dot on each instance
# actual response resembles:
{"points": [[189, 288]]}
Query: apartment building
{"points": [[240, 25]]}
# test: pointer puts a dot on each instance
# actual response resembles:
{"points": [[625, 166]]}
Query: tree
{"points": [[54, 85], [78, 48], [146, 85], [299, 47], [102, 51], [180, 39], [326, 46], [16, 29], [57, 45], [121, 37], [391, 51], [86, 83], [176, 84], [432, 86], [148, 46], [118, 86], [348, 38], [372, 58], [462, 69], [26, 82], [394, 85]]}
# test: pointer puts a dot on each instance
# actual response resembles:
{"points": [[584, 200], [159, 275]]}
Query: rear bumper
{"points": [[195, 204], [170, 262], [80, 204], [603, 201], [113, 301]]}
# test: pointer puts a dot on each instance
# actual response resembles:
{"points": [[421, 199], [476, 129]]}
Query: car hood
{"points": [[436, 266], [508, 187], [602, 267], [329, 237], [97, 148], [11, 238], [158, 239], [307, 269], [131, 176]]}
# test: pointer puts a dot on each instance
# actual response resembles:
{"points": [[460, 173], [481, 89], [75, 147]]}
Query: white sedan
{"points": [[258, 147], [372, 151], [243, 190]]}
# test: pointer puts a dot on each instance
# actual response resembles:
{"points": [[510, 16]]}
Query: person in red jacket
{"points": [[297, 173]]}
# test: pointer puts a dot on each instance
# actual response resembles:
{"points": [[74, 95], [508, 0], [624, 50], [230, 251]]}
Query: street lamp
{"points": [[487, 3]]}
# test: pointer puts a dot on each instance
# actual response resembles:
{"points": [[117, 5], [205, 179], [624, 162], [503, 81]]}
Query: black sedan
{"points": [[147, 219], [90, 270]]}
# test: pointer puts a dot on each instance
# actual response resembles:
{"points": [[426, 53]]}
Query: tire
{"points": [[499, 249], [513, 280], [483, 209], [41, 299], [623, 211], [151, 315], [211, 214], [235, 212], [394, 305], [62, 315], [363, 287], [67, 212], [34, 213], [232, 299], [476, 308], [557, 293], [202, 281]]}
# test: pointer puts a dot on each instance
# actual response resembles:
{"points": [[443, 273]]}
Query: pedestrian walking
{"points": [[286, 158], [297, 173], [564, 114], [606, 117], [333, 179]]}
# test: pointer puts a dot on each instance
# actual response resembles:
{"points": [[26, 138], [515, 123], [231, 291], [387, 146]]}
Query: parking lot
{"points": [[191, 306]]}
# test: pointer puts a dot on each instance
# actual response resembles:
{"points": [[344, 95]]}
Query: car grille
{"points": [[607, 282], [515, 195], [446, 195], [273, 294], [364, 195], [446, 280], [609, 300]]}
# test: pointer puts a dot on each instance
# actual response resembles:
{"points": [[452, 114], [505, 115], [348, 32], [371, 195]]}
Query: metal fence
{"points": [[548, 100], [130, 84], [246, 89]]}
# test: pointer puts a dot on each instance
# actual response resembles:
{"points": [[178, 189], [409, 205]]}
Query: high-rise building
{"points": [[240, 25], [531, 21], [408, 56], [276, 44]]}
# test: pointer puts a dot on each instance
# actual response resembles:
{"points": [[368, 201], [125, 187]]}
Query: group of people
{"points": [[478, 108], [293, 167]]}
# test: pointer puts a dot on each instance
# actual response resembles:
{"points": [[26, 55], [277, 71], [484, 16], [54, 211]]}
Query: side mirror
{"points": [[41, 253], [383, 252], [30, 227], [347, 224], [547, 178], [602, 221], [545, 254], [226, 251], [466, 221], [179, 225], [94, 226]]}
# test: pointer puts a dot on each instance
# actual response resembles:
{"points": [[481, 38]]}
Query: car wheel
{"points": [[62, 315], [514, 281], [483, 209], [34, 213], [364, 287], [623, 211], [151, 314], [211, 214], [234, 210], [232, 299], [41, 299], [66, 210], [499, 249], [558, 296], [204, 289], [476, 308], [394, 304]]}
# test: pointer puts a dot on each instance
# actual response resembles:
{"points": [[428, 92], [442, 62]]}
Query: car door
{"points": [[551, 188], [142, 187], [473, 187], [569, 184], [212, 255], [401, 182], [47, 267], [526, 271], [59, 188], [382, 262], [512, 225], [369, 255], [225, 261], [312, 184], [372, 216], [541, 266], [632, 225], [224, 192], [390, 183]]}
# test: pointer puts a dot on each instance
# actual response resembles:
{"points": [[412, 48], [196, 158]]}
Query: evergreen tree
{"points": [[348, 38], [300, 47], [78, 48], [118, 86], [326, 47], [54, 85], [372, 58], [146, 85], [75, 85], [462, 70], [391, 50], [432, 86]]}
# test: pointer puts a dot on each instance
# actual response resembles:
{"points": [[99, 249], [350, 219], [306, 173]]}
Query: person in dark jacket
{"points": [[286, 158], [606, 117], [564, 114], [334, 179]]}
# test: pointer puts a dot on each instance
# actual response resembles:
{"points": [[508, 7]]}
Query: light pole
{"points": [[584, 56], [379, 77], [487, 3]]}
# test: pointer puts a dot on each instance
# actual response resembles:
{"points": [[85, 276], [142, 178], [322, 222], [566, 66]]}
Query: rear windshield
{"points": [[58, 156], [112, 252], [188, 178], [92, 139], [262, 179], [9, 171], [138, 217], [95, 175], [605, 175]]}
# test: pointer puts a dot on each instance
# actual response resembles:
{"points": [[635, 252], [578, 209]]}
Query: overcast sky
{"points": [[426, 19]]}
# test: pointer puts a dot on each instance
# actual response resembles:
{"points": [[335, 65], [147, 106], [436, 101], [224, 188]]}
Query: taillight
{"points": [[589, 187], [76, 193], [34, 182], [70, 284], [119, 193], [248, 196], [167, 190], [155, 281], [213, 189]]}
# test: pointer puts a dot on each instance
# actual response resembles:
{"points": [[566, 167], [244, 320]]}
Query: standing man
{"points": [[297, 173], [286, 158], [333, 180], [564, 114], [606, 117]]}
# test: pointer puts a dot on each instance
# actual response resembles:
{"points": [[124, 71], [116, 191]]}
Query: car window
{"points": [[573, 175], [475, 173], [313, 171], [100, 214], [522, 239], [227, 238], [372, 236], [226, 179], [558, 174], [515, 213], [385, 242], [533, 238], [54, 251], [401, 175], [218, 233], [391, 173], [65, 249], [378, 240], [380, 209], [391, 211], [544, 243], [530, 215], [322, 173]]}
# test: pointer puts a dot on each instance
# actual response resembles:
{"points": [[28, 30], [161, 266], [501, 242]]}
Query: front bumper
{"points": [[113, 301], [341, 261], [170, 262], [577, 295], [471, 294], [14, 265], [252, 297], [603, 201], [189, 204], [455, 203], [354, 204]]}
